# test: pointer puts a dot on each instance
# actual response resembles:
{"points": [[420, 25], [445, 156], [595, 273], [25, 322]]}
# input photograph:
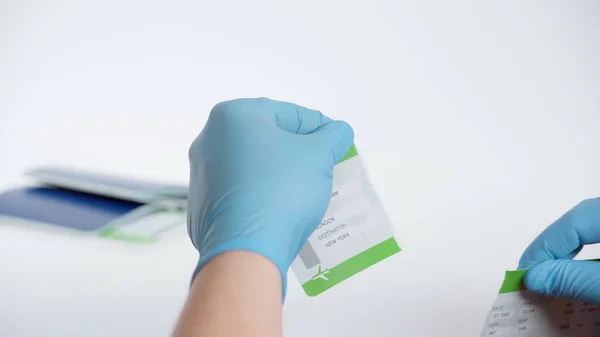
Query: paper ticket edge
{"points": [[331, 277]]}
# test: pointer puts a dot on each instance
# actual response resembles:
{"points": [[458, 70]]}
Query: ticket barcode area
{"points": [[308, 256]]}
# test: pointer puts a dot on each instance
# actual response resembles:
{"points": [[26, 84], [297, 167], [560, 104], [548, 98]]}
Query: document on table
{"points": [[521, 313]]}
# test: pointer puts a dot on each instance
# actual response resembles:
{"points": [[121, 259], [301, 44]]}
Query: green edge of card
{"points": [[114, 233], [328, 278], [513, 280], [351, 153]]}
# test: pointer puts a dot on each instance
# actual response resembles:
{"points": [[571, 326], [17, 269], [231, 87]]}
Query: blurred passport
{"points": [[109, 206]]}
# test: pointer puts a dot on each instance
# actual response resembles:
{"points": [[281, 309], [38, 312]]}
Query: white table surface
{"points": [[479, 123]]}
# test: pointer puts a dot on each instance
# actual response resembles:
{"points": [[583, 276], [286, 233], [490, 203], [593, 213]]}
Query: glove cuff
{"points": [[243, 244]]}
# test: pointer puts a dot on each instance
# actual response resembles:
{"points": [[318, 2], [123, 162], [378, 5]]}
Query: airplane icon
{"points": [[321, 274]]}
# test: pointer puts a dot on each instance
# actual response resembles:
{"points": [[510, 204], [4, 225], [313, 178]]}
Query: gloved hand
{"points": [[553, 272], [261, 178]]}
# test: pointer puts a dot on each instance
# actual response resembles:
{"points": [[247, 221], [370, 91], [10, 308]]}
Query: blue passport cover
{"points": [[66, 208]]}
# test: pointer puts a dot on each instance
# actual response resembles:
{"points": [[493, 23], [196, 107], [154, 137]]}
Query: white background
{"points": [[479, 123]]}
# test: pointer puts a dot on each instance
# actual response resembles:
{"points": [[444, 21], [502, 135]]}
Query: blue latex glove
{"points": [[553, 272], [261, 178]]}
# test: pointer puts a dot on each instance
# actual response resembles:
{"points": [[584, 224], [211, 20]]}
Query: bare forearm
{"points": [[237, 294]]}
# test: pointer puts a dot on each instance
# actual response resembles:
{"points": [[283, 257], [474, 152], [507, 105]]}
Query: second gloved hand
{"points": [[261, 178], [553, 272]]}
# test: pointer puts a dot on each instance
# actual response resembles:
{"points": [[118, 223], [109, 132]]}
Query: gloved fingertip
{"points": [[525, 262], [540, 278], [335, 136], [341, 135], [345, 130], [343, 140]]}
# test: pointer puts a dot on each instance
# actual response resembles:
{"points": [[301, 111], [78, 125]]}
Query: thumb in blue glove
{"points": [[261, 178], [549, 257]]}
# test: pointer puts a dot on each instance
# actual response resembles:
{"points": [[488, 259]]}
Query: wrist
{"points": [[247, 246], [235, 294]]}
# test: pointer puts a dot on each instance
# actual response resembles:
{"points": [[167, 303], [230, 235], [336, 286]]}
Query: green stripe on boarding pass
{"points": [[328, 278], [351, 153]]}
